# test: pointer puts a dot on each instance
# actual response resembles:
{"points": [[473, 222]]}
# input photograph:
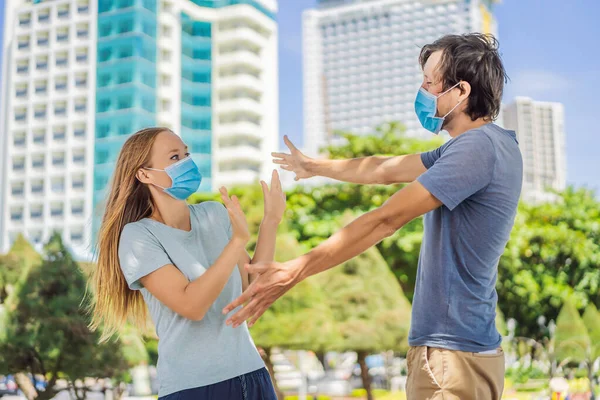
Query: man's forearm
{"points": [[370, 170], [364, 232]]}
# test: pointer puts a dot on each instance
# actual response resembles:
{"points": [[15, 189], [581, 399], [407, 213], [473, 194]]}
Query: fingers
{"points": [[246, 312], [257, 315], [289, 144], [224, 195], [280, 155], [247, 295]]}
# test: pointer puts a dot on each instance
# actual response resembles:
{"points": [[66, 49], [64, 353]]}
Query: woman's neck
{"points": [[171, 212]]}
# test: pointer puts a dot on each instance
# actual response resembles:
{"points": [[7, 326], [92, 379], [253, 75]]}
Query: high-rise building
{"points": [[361, 60], [80, 76], [540, 131]]}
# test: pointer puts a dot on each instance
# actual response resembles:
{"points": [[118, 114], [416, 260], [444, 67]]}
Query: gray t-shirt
{"points": [[190, 353], [478, 177]]}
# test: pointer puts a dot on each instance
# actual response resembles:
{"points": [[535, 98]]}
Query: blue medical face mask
{"points": [[426, 109], [185, 178]]}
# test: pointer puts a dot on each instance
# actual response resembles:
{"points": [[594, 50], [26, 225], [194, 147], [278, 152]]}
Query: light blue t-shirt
{"points": [[190, 353], [478, 177]]}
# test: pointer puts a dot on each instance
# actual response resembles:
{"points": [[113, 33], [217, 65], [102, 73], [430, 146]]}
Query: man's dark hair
{"points": [[472, 58]]}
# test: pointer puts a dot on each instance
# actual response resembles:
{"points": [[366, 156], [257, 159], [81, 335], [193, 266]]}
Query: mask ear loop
{"points": [[152, 183], [457, 104]]}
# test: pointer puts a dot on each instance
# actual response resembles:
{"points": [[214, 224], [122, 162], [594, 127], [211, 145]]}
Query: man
{"points": [[468, 188]]}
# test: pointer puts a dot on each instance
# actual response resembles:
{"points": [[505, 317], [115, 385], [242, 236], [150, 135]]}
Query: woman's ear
{"points": [[143, 176]]}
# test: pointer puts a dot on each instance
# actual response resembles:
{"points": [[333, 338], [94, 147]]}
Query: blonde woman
{"points": [[184, 264]]}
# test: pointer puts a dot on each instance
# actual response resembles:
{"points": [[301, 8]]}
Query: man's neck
{"points": [[463, 123]]}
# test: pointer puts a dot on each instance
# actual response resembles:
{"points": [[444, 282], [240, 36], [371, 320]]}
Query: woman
{"points": [[180, 261]]}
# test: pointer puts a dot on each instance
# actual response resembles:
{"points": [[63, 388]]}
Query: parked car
{"points": [[8, 386]]}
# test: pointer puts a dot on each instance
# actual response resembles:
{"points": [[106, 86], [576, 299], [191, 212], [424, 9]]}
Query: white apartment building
{"points": [[80, 76], [361, 60], [540, 131]]}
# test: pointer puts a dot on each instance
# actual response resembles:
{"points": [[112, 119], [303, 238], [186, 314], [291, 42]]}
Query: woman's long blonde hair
{"points": [[113, 303]]}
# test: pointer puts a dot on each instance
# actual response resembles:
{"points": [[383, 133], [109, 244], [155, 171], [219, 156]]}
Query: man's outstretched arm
{"points": [[277, 278], [365, 170]]}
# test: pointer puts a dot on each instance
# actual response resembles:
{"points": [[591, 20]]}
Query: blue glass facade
{"points": [[196, 89], [125, 83]]}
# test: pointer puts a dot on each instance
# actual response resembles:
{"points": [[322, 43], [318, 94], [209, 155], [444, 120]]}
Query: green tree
{"points": [[369, 309], [46, 330], [553, 254], [572, 339], [591, 320]]}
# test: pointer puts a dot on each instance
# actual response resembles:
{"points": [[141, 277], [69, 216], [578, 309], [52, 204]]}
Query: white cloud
{"points": [[537, 84]]}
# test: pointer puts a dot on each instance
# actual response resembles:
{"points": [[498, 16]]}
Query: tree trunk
{"points": [[321, 357], [269, 364], [364, 372]]}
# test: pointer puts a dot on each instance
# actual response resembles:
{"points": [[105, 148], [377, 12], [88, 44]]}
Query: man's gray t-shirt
{"points": [[477, 176], [190, 353]]}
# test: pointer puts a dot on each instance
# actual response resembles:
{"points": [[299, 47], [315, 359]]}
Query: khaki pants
{"points": [[438, 374]]}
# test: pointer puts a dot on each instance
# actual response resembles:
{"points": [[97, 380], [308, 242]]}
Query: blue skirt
{"points": [[255, 385]]}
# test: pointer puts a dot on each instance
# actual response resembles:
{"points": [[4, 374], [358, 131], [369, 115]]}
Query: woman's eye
{"points": [[175, 157], [187, 154]]}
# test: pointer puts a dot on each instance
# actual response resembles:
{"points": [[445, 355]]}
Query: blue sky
{"points": [[550, 53]]}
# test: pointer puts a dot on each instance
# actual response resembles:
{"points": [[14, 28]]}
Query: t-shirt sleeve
{"points": [[430, 157], [464, 167], [140, 254]]}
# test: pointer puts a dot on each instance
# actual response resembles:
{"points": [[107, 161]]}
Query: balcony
{"points": [[81, 58], [61, 62], [42, 41], [80, 107], [244, 34], [41, 65], [22, 69], [17, 191], [240, 57], [23, 45], [63, 14], [60, 111], [240, 105], [44, 18], [38, 164], [39, 114], [241, 81], [246, 129], [21, 92], [20, 117], [60, 86], [239, 153]]}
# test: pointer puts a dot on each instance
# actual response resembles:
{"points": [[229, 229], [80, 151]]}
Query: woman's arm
{"points": [[274, 200], [193, 299]]}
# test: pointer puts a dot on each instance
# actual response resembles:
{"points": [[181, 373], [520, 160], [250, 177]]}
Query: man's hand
{"points": [[273, 281], [295, 162]]}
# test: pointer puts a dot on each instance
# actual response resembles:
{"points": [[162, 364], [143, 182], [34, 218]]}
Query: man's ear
{"points": [[465, 90]]}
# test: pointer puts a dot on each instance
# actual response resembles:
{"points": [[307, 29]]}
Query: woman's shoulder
{"points": [[135, 230], [211, 210]]}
